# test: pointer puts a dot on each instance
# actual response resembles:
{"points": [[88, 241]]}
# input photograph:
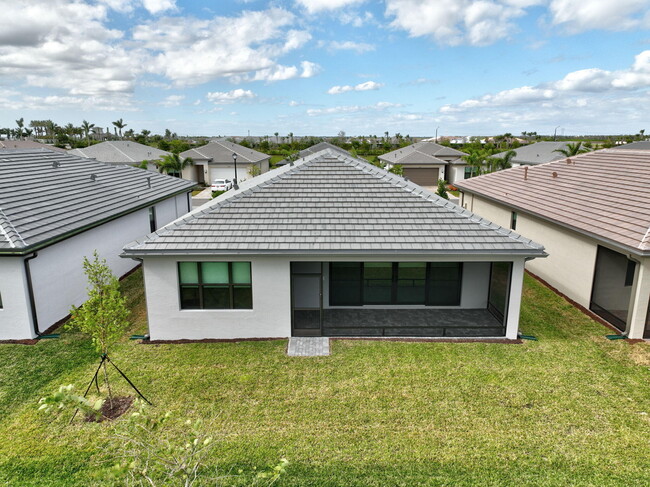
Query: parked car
{"points": [[221, 185]]}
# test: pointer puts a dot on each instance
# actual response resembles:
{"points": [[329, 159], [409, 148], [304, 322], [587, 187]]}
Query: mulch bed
{"points": [[112, 409]]}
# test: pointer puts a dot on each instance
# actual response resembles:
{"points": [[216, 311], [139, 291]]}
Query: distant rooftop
{"points": [[27, 144], [605, 194], [423, 153], [47, 195], [332, 203], [222, 151], [537, 153], [316, 148], [639, 145], [120, 152]]}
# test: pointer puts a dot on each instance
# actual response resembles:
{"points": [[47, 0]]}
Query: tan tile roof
{"points": [[605, 194]]}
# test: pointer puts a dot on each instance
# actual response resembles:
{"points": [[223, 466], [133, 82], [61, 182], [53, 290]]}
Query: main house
{"points": [[426, 162], [592, 212], [55, 209], [332, 246], [215, 161], [122, 152]]}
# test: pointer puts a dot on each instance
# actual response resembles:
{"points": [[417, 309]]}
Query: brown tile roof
{"points": [[605, 194]]}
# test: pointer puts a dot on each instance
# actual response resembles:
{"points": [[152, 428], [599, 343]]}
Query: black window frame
{"points": [[629, 273], [153, 226], [513, 220], [202, 286], [394, 301]]}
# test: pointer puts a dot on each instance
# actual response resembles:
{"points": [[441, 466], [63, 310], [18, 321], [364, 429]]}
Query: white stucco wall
{"points": [[15, 321], [271, 287], [57, 272], [270, 316], [456, 173]]}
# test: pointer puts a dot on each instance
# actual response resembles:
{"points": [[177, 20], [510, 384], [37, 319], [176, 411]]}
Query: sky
{"points": [[318, 67]]}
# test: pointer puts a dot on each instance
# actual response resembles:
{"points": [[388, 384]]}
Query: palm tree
{"points": [[145, 133], [119, 125], [19, 131], [173, 165], [475, 160], [28, 132], [290, 135], [276, 136], [499, 163], [87, 127], [572, 149]]}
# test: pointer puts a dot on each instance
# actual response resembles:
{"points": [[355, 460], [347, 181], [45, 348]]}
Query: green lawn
{"points": [[569, 409], [275, 159]]}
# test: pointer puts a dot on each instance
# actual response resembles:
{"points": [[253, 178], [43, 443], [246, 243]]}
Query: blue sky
{"points": [[469, 67]]}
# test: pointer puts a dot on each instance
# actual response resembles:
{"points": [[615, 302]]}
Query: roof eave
{"points": [[610, 242]]}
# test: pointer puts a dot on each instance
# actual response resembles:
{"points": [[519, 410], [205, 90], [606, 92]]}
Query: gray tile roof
{"points": [[639, 145], [315, 148], [424, 153], [537, 153], [40, 203], [27, 144], [120, 152], [331, 203], [604, 194], [221, 152]]}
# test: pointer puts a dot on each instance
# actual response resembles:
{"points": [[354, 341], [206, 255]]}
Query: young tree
{"points": [[119, 125], [442, 189], [104, 315], [87, 127]]}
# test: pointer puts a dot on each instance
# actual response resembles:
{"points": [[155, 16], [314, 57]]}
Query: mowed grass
{"points": [[570, 409]]}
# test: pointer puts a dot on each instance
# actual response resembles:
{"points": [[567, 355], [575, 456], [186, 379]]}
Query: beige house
{"points": [[426, 162], [215, 161], [592, 214]]}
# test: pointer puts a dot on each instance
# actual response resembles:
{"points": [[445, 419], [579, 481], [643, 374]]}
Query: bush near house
{"points": [[570, 409]]}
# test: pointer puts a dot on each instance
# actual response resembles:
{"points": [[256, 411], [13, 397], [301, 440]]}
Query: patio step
{"points": [[308, 347]]}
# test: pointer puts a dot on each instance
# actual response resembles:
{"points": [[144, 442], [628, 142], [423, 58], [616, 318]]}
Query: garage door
{"points": [[424, 176]]}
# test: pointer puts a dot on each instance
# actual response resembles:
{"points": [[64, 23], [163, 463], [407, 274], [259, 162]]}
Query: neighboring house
{"points": [[537, 153], [426, 162], [639, 145], [592, 212], [313, 149], [27, 144], [122, 152], [332, 246], [57, 208], [215, 161]]}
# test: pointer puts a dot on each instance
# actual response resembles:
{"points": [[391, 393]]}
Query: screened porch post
{"points": [[639, 301], [514, 300]]}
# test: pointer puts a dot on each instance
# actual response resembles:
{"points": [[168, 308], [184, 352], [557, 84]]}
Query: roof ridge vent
{"points": [[93, 177], [56, 164]]}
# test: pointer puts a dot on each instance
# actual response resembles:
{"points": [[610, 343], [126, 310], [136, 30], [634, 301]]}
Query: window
{"points": [[152, 219], [468, 172], [215, 285], [0, 301], [513, 220], [395, 283]]}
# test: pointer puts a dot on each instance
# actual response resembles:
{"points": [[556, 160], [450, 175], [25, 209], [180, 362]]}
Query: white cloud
{"points": [[172, 100], [157, 6], [581, 15], [222, 46], [359, 47], [366, 86], [588, 98], [280, 73], [454, 22], [356, 19], [382, 105], [313, 6], [225, 97]]}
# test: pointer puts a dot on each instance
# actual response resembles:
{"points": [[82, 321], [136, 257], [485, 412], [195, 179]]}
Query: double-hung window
{"points": [[215, 285]]}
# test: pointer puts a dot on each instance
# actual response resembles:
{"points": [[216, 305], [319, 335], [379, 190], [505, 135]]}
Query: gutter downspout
{"points": [[30, 292]]}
